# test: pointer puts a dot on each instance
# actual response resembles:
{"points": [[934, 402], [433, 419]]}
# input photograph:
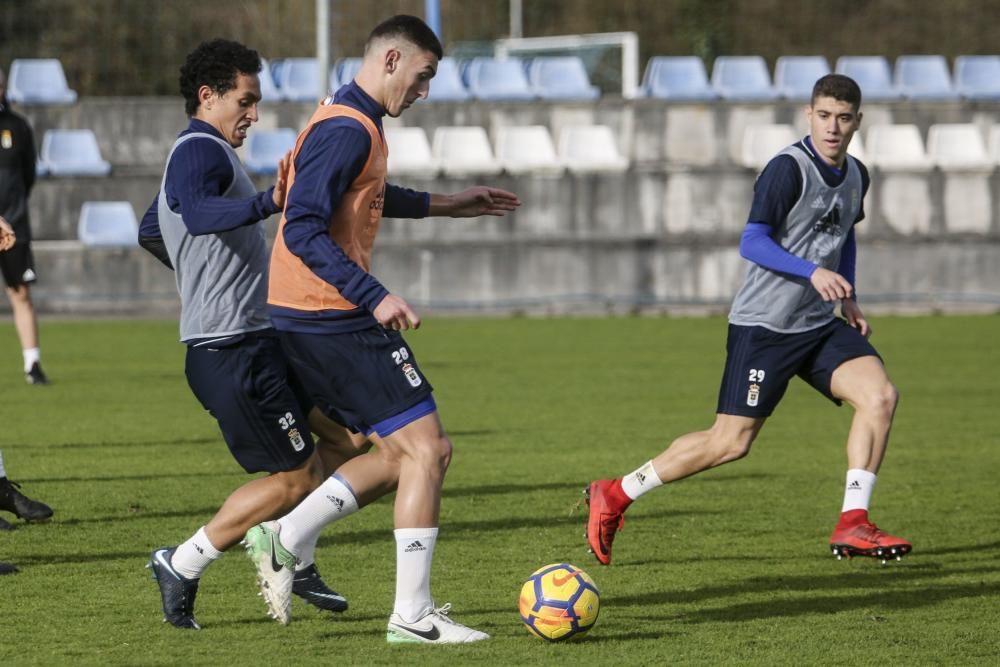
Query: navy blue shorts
{"points": [[260, 406], [761, 362], [365, 380]]}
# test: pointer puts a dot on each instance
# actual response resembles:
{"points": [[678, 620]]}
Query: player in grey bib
{"points": [[206, 225], [800, 242], [221, 277], [815, 230]]}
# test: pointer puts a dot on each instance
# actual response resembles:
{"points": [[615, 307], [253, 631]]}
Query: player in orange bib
{"points": [[340, 328]]}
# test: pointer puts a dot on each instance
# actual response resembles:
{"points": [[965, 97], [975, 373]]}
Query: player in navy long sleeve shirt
{"points": [[198, 175]]}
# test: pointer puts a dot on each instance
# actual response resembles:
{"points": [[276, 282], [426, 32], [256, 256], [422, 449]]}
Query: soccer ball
{"points": [[558, 602]]}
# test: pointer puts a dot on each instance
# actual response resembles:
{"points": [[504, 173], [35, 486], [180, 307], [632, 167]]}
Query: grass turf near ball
{"points": [[558, 602]]}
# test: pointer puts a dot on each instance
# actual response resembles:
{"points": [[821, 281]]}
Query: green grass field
{"points": [[729, 567]]}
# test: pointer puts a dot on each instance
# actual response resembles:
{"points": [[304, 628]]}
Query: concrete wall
{"points": [[663, 235]]}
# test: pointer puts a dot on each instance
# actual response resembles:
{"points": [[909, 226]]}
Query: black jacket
{"points": [[17, 168]]}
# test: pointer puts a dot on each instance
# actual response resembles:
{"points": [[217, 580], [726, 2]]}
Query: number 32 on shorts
{"points": [[753, 393]]}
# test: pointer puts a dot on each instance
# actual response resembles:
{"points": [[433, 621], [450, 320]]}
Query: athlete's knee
{"points": [[882, 401], [300, 482], [434, 452], [730, 446], [19, 296]]}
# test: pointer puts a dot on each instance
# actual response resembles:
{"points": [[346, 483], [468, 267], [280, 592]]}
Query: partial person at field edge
{"points": [[17, 177], [800, 243]]}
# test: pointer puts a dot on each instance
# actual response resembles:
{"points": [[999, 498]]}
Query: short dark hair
{"points": [[839, 87], [215, 64], [410, 28]]}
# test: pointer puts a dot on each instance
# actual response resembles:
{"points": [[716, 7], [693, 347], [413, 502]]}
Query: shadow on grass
{"points": [[473, 529], [143, 478], [961, 549], [878, 587], [895, 600], [119, 445]]}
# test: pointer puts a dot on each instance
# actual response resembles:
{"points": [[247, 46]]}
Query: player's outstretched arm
{"points": [[473, 202], [852, 313], [7, 237]]}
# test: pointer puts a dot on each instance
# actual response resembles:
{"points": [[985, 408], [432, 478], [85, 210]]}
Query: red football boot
{"points": [[606, 518], [865, 539]]}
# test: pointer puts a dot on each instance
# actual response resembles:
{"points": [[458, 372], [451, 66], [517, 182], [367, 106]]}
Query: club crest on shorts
{"points": [[753, 394], [7, 139], [411, 374], [294, 437]]}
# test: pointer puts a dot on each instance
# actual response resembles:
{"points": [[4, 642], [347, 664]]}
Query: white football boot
{"points": [[434, 628]]}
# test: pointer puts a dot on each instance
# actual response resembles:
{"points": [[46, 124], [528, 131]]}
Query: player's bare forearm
{"points": [[473, 202]]}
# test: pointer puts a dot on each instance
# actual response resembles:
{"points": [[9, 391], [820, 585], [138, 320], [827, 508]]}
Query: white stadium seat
{"points": [[464, 151], [527, 149], [590, 148]]}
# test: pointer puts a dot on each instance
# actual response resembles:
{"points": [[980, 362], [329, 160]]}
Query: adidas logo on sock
{"points": [[854, 486], [415, 545], [339, 502], [640, 478]]}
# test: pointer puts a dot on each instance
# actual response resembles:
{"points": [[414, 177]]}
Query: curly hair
{"points": [[215, 64]]}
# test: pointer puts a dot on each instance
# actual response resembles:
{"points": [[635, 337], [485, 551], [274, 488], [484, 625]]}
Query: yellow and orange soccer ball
{"points": [[558, 602]]}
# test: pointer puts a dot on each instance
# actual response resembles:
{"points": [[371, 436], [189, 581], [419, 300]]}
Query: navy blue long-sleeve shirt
{"points": [[198, 174], [332, 156]]}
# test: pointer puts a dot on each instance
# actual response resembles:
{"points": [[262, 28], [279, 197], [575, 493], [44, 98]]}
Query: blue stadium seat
{"points": [[345, 70], [266, 147], [501, 80], [795, 76], [742, 78], [72, 153], [268, 88], [681, 78], [108, 223], [924, 78], [38, 81], [978, 77], [447, 86], [561, 78], [276, 66], [299, 79], [872, 74]]}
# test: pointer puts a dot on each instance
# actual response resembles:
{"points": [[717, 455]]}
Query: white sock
{"points": [[307, 556], [858, 490], [3, 471], [640, 480], [31, 356], [194, 556], [414, 553], [332, 500]]}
